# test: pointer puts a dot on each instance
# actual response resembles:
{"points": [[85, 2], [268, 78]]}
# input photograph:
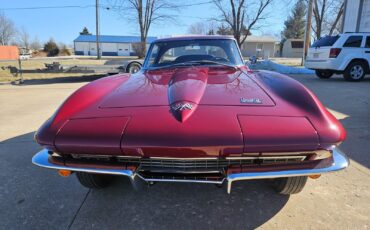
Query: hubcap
{"points": [[356, 72], [134, 69]]}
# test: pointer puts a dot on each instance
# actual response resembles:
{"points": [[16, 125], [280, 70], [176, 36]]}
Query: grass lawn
{"points": [[6, 76], [294, 62]]}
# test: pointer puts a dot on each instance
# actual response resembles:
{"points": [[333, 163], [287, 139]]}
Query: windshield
{"points": [[190, 52], [325, 41]]}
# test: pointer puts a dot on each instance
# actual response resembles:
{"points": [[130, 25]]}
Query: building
{"points": [[109, 45], [356, 16], [260, 46], [9, 53], [293, 48]]}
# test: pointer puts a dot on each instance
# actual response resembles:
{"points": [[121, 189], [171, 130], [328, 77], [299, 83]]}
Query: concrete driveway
{"points": [[37, 198]]}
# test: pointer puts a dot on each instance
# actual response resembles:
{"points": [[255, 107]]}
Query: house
{"points": [[356, 16], [109, 45], [260, 46], [293, 48]]}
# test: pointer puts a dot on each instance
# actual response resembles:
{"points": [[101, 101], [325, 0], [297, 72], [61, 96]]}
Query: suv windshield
{"points": [[325, 41], [193, 52]]}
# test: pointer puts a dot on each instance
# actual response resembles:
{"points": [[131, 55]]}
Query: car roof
{"points": [[195, 37]]}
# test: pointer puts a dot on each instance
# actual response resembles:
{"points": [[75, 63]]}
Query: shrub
{"points": [[64, 51], [51, 48]]}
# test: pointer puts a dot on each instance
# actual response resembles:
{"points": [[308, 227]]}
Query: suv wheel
{"points": [[325, 74], [95, 181], [290, 185], [355, 71]]}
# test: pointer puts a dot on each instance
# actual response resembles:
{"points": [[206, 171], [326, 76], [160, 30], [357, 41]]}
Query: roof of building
{"points": [[112, 39], [252, 38]]}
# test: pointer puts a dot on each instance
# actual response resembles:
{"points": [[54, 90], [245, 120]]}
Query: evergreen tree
{"points": [[295, 24]]}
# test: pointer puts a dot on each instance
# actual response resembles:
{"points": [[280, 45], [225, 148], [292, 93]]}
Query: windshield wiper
{"points": [[193, 63]]}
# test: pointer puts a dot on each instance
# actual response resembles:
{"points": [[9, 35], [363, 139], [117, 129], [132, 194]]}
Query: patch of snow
{"points": [[272, 66]]}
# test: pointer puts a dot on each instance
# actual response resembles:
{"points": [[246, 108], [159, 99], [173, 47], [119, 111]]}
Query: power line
{"points": [[88, 6], [46, 7]]}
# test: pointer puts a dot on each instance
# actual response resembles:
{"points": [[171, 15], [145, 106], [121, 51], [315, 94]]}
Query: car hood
{"points": [[193, 85]]}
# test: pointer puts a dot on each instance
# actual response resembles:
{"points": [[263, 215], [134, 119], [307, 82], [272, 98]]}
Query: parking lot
{"points": [[37, 198]]}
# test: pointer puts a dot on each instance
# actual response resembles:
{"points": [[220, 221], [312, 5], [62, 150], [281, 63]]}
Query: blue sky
{"points": [[64, 24]]}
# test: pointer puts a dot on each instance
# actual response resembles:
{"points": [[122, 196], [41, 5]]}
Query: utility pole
{"points": [[307, 33], [97, 29]]}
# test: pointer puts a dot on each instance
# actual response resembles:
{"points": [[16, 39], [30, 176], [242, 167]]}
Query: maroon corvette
{"points": [[193, 113]]}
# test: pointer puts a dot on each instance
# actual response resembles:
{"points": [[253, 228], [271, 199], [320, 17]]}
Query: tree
{"points": [[202, 28], [35, 44], [145, 13], [241, 20], [24, 38], [51, 48], [85, 31], [224, 30], [327, 15], [294, 26], [63, 49], [7, 30]]}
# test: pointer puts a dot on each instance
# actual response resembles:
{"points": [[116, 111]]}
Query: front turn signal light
{"points": [[316, 176], [64, 173]]}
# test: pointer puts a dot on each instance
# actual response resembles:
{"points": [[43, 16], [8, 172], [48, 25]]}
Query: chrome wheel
{"points": [[134, 68], [356, 72]]}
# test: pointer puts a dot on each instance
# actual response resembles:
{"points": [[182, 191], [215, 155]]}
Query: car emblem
{"points": [[250, 100], [182, 106]]}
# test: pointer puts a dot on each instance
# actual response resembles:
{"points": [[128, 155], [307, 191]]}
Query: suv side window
{"points": [[353, 41], [367, 45]]}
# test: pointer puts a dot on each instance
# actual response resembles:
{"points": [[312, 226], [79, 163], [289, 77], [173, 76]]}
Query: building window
{"points": [[297, 44], [353, 41], [367, 45]]}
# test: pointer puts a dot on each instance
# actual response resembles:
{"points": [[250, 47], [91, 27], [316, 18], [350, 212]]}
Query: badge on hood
{"points": [[250, 100]]}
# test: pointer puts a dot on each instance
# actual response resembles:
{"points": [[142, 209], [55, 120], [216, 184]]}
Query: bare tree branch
{"points": [[327, 15], [241, 21], [145, 12], [7, 30]]}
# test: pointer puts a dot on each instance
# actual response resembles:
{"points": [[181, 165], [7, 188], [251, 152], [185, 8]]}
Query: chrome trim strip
{"points": [[266, 157], [341, 161], [42, 159], [183, 159], [182, 180]]}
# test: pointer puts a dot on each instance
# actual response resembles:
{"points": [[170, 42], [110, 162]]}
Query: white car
{"points": [[347, 54]]}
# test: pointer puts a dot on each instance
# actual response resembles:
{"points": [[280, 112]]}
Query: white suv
{"points": [[347, 54]]}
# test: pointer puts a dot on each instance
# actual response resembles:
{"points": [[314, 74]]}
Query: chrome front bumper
{"points": [[340, 161]]}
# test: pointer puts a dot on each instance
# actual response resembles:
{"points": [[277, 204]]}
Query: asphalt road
{"points": [[37, 198]]}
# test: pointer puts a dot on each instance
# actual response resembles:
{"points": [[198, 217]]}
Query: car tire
{"points": [[324, 74], [355, 71], [133, 68], [94, 181], [290, 185]]}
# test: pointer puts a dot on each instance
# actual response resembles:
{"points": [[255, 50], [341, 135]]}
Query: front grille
{"points": [[191, 166], [200, 165], [194, 165]]}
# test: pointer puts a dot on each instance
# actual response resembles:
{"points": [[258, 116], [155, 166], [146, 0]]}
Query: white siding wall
{"points": [[350, 18], [250, 49], [108, 47], [365, 17], [120, 49], [290, 52]]}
